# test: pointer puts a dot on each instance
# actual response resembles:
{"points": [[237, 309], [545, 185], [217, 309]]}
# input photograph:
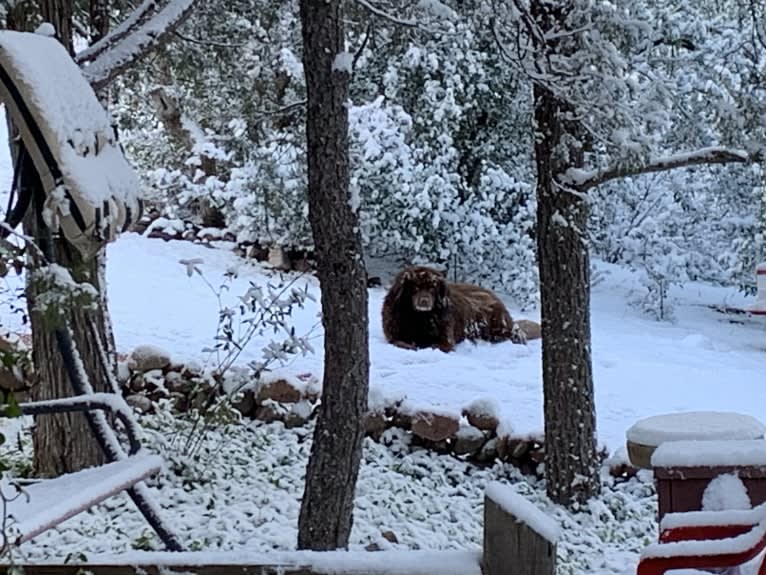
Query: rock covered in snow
{"points": [[483, 414], [279, 390], [468, 440], [434, 426], [147, 358]]}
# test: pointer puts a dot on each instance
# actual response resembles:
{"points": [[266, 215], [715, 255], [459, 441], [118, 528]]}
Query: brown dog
{"points": [[422, 309]]}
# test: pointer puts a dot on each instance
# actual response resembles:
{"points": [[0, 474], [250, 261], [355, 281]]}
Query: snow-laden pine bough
{"points": [[83, 188]]}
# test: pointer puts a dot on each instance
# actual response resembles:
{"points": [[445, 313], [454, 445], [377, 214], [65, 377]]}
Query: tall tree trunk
{"points": [[59, 13], [326, 513], [99, 19], [64, 443], [571, 464]]}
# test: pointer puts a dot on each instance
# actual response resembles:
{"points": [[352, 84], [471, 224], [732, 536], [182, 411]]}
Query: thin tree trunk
{"points": [[571, 465], [326, 515], [64, 443]]}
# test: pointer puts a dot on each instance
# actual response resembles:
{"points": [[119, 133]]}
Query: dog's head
{"points": [[424, 289]]}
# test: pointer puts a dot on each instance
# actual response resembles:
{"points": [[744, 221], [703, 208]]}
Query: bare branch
{"points": [[583, 180], [137, 44], [212, 43], [286, 109], [367, 34]]}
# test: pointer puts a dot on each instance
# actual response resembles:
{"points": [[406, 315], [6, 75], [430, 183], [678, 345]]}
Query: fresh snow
{"points": [[691, 425], [725, 492], [343, 62], [128, 46], [728, 517], [337, 562], [729, 545], [77, 124], [641, 367], [710, 452]]}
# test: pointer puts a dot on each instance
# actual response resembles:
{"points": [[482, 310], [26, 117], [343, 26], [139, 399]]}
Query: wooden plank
{"points": [[709, 471], [75, 569], [339, 562], [511, 547], [681, 488]]}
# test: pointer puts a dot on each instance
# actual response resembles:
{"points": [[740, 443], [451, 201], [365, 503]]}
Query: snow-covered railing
{"points": [[108, 402], [519, 539], [759, 308], [712, 549]]}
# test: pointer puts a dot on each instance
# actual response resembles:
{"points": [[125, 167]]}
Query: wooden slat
{"points": [[75, 569], [511, 547]]}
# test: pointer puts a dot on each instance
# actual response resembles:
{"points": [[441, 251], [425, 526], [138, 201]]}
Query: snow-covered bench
{"points": [[45, 504], [33, 509]]}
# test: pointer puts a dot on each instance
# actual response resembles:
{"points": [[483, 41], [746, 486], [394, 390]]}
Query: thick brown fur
{"points": [[422, 309]]}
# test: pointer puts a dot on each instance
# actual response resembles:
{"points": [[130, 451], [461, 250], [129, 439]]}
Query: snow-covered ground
{"points": [[641, 367]]}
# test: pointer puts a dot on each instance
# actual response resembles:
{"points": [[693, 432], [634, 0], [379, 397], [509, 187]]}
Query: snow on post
{"points": [[711, 453], [518, 537], [695, 425], [759, 308]]}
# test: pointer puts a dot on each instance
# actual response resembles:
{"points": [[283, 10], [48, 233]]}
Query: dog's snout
{"points": [[423, 301]]}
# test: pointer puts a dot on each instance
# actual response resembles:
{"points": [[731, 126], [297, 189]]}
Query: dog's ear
{"points": [[397, 288], [441, 290]]}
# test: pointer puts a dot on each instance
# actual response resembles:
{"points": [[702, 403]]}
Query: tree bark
{"points": [[571, 464], [59, 13], [99, 19], [326, 515], [64, 443]]}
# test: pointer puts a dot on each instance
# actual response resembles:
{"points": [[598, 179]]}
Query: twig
{"points": [[390, 17]]}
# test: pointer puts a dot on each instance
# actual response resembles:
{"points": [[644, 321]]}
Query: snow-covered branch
{"points": [[583, 180], [136, 18], [383, 14], [136, 42]]}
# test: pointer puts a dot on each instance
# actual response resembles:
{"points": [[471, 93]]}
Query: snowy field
{"points": [[240, 489], [642, 367]]}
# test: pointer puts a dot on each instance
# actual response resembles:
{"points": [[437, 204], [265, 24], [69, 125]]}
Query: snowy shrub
{"points": [[749, 240], [260, 309], [673, 228]]}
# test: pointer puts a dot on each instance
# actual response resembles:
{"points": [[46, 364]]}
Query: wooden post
{"points": [[760, 304], [519, 539]]}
